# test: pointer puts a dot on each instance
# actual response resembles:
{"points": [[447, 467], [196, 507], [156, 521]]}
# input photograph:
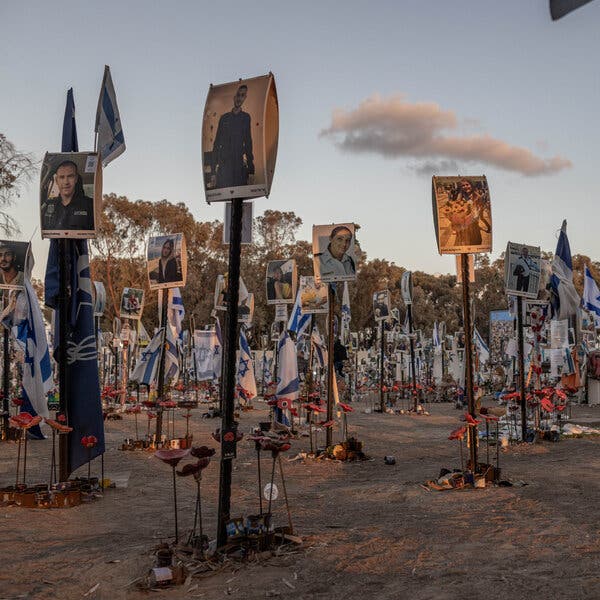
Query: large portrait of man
{"points": [[281, 281], [522, 270], [462, 214], [239, 138], [167, 261], [70, 194], [132, 303], [334, 257], [13, 261]]}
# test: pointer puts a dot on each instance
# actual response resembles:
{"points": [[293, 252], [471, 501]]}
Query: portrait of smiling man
{"points": [[336, 261]]}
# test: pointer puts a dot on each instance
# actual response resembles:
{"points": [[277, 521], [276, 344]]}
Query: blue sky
{"points": [[503, 68]]}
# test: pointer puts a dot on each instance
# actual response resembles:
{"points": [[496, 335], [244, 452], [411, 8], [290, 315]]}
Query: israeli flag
{"points": [[146, 369], [111, 142], [591, 296], [482, 350], [208, 355], [176, 312], [346, 314], [288, 384], [319, 348], [245, 373], [298, 323], [435, 337], [565, 299]]}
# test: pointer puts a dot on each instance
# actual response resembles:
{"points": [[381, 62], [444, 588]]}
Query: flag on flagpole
{"points": [[208, 355], [245, 372], [591, 296], [171, 357], [288, 386], [176, 312], [564, 297], [346, 315], [435, 337], [111, 142], [84, 405], [319, 347], [298, 323], [482, 350], [146, 369]]}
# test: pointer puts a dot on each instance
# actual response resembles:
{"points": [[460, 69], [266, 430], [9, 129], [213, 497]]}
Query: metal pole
{"points": [[381, 360], [330, 373], [522, 368], [472, 429], [161, 368], [5, 378], [193, 328], [228, 384], [412, 358], [64, 469]]}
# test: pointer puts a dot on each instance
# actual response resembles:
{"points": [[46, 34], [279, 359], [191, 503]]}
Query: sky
{"points": [[374, 98]]}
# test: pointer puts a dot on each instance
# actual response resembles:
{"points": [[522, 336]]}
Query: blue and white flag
{"points": [[111, 142], [591, 296], [435, 336], [245, 372], [564, 297], [319, 348], [83, 405], [146, 369], [176, 312], [346, 315], [171, 357], [298, 323], [288, 384], [207, 355], [482, 350]]}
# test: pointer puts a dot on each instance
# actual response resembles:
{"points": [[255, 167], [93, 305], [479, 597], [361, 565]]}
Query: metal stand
{"points": [[64, 469], [522, 368], [229, 376], [412, 358], [381, 369], [330, 373]]}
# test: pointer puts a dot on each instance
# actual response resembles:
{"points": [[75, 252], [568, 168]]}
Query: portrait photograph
{"points": [[13, 262], [132, 303], [334, 257], [281, 281], [381, 305], [246, 310], [462, 214], [522, 270], [167, 261], [220, 297], [247, 216], [99, 293], [240, 130], [70, 195], [314, 297]]}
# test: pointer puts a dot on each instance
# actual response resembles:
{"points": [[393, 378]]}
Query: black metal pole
{"points": [[381, 361], [64, 469], [192, 329], [412, 358], [161, 368], [522, 368], [229, 376], [330, 373], [5, 377], [472, 429]]}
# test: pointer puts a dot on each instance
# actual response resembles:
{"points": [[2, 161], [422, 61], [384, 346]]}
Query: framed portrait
{"points": [[167, 261], [99, 292], [522, 270], [406, 287], [70, 195], [246, 310], [470, 266], [281, 281], [247, 216], [220, 298], [314, 298], [462, 214], [275, 331], [240, 132], [132, 303], [334, 257], [381, 305], [13, 264]]}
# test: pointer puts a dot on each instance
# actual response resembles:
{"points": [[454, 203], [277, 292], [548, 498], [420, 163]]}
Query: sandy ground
{"points": [[369, 529]]}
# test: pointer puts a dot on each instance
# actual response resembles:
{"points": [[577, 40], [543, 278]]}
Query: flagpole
{"points": [[330, 373], [471, 429], [412, 357], [63, 379], [228, 424], [522, 368], [193, 328], [381, 358], [161, 367]]}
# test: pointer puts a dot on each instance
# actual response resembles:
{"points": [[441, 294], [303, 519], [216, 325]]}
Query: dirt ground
{"points": [[369, 529]]}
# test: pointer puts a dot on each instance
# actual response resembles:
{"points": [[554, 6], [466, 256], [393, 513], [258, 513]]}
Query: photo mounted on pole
{"points": [[167, 261], [70, 195], [13, 264], [240, 131]]}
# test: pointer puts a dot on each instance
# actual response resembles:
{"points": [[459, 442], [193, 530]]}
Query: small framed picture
{"points": [[334, 257], [167, 261], [13, 264]]}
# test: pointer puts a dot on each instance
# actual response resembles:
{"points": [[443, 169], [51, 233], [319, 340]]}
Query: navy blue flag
{"points": [[84, 406]]}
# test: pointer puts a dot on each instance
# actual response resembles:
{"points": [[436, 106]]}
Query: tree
{"points": [[15, 169]]}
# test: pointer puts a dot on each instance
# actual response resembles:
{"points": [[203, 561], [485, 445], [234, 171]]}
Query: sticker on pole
{"points": [[271, 491]]}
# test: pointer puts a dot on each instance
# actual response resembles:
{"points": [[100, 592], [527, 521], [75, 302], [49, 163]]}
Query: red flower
{"points": [[24, 420], [202, 451], [132, 410], [326, 424], [345, 407], [171, 457], [59, 427], [283, 403], [470, 420], [89, 441], [61, 418], [18, 401], [458, 434]]}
